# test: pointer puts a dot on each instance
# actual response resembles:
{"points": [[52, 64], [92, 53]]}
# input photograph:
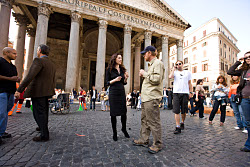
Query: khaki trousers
{"points": [[151, 122]]}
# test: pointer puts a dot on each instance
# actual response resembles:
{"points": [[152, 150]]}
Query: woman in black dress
{"points": [[116, 77]]}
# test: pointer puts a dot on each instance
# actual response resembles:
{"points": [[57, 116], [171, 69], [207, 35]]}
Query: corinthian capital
{"points": [[21, 19], [179, 43], [31, 32], [7, 3], [75, 17], [44, 9], [148, 35], [103, 24], [164, 39], [127, 29], [138, 43]]}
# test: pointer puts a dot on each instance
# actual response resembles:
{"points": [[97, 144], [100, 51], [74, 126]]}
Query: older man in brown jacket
{"points": [[41, 83]]}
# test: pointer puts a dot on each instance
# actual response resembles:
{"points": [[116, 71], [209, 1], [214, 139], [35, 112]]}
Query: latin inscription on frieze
{"points": [[111, 12]]}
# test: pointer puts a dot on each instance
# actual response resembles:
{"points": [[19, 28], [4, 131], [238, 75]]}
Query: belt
{"points": [[246, 97]]}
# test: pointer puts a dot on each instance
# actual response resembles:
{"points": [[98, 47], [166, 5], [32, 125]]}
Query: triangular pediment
{"points": [[157, 7]]}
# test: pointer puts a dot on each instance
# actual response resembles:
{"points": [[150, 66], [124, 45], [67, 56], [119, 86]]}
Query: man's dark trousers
{"points": [[41, 113]]}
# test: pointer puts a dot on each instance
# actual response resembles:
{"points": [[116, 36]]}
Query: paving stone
{"points": [[199, 144]]}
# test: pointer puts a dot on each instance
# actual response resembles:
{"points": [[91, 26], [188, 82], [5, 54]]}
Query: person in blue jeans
{"points": [[219, 99], [165, 98], [8, 79], [238, 112], [244, 90]]}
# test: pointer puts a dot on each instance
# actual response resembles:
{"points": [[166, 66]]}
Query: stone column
{"points": [[19, 43], [5, 10], [165, 59], [179, 44], [137, 79], [29, 51], [101, 54], [147, 42], [44, 12], [127, 55], [73, 52]]}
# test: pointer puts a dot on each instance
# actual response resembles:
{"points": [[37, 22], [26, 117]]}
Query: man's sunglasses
{"points": [[178, 64]]}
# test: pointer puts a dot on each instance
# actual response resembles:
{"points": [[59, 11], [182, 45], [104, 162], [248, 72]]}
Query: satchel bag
{"points": [[106, 98]]}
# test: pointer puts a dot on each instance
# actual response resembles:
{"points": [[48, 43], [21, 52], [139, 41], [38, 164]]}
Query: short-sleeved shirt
{"points": [[181, 79], [8, 70], [246, 89], [200, 89]]}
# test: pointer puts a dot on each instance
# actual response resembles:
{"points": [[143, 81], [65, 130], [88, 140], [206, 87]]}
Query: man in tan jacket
{"points": [[41, 83], [151, 95]]}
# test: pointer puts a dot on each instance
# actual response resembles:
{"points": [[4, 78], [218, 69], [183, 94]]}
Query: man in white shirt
{"points": [[182, 88]]}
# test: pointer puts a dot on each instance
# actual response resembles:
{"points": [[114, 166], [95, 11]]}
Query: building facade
{"points": [[208, 52], [83, 35]]}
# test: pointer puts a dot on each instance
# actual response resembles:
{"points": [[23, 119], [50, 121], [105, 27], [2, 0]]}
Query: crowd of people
{"points": [[40, 82]]}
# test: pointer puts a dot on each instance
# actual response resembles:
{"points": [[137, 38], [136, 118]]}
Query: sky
{"points": [[234, 14]]}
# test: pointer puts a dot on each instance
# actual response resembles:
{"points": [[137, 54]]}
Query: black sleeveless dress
{"points": [[117, 96]]}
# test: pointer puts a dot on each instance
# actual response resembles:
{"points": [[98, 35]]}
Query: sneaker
{"points": [[182, 126], [245, 131], [238, 128], [6, 135], [244, 149], [203, 118], [177, 130]]}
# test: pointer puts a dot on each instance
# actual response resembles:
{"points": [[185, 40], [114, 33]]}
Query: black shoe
{"points": [[39, 139], [1, 141], [244, 149], [177, 130], [126, 133], [115, 137], [38, 129], [6, 135], [182, 126]]}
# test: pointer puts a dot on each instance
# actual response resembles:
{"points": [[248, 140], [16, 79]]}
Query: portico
{"points": [[83, 35]]}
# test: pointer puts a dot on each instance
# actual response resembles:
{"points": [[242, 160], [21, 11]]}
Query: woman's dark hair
{"points": [[245, 66], [112, 63], [44, 49], [199, 81], [224, 83]]}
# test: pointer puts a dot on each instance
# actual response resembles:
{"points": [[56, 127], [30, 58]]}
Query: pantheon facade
{"points": [[83, 35]]}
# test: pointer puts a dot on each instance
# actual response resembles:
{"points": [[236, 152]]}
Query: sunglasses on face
{"points": [[247, 57], [178, 64]]}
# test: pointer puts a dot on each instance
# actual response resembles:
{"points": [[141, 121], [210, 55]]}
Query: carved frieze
{"points": [[44, 9]]}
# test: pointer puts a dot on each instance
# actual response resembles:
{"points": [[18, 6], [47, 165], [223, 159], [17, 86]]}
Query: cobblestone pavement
{"points": [[199, 144]]}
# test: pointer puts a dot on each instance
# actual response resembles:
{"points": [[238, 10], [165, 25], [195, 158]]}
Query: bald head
{"points": [[7, 50], [9, 54]]}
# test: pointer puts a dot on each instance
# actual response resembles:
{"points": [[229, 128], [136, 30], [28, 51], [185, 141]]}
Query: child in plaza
{"points": [[82, 95], [20, 103]]}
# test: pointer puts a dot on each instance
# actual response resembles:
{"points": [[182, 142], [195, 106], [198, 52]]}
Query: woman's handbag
{"points": [[106, 98]]}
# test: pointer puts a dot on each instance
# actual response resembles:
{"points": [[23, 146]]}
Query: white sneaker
{"points": [[237, 128], [245, 131]]}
